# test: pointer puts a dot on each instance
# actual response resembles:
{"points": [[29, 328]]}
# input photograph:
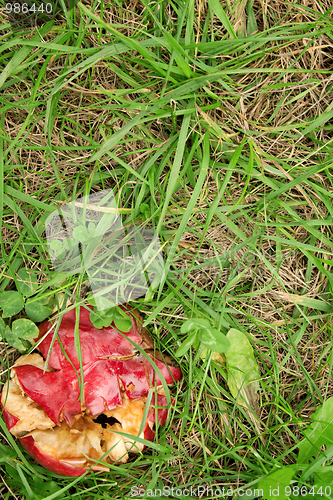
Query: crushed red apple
{"points": [[68, 434]]}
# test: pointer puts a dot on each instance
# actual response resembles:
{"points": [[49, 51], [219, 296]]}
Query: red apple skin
{"points": [[63, 469], [162, 413], [58, 467], [148, 434], [49, 463], [57, 392], [9, 419], [52, 464]]}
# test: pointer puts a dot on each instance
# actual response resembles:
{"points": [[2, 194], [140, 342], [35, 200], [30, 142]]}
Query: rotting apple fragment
{"points": [[66, 435]]}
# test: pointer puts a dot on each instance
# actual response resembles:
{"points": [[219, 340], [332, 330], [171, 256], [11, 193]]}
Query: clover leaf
{"points": [[20, 336], [114, 315], [40, 309], [11, 303], [27, 282], [203, 332]]}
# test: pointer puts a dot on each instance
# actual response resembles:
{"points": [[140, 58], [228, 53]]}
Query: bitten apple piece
{"points": [[68, 435]]}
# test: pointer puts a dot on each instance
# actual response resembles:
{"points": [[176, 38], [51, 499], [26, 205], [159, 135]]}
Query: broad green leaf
{"points": [[119, 312], [11, 303], [27, 282], [242, 370], [4, 329], [58, 301], [110, 313], [275, 483], [121, 319], [61, 246], [68, 244], [124, 325], [17, 343], [318, 433], [216, 356], [186, 345], [25, 329], [56, 245], [324, 475], [40, 309], [214, 340], [99, 320], [114, 315], [144, 207], [103, 303], [194, 324], [81, 233], [91, 300]]}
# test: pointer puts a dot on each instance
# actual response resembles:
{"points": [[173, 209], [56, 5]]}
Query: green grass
{"points": [[212, 123]]}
